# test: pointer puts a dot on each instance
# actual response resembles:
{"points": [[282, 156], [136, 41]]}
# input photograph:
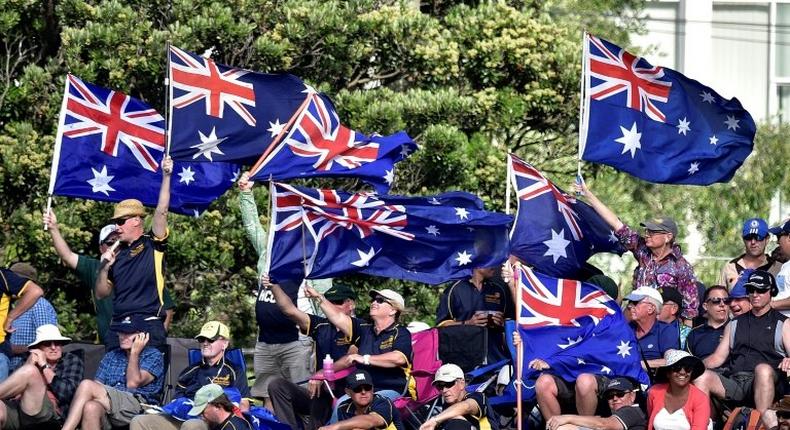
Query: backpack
{"points": [[743, 418]]}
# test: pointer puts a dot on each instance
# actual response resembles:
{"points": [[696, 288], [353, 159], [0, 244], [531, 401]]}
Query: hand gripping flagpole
{"points": [[53, 173], [517, 384]]}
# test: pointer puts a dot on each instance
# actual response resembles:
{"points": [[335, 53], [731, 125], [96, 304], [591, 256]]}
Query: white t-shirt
{"points": [[783, 282]]}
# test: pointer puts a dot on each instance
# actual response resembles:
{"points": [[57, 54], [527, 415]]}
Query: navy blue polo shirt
{"points": [[273, 326], [329, 340], [380, 406], [392, 338], [223, 373], [704, 339], [233, 423], [11, 287], [138, 278], [461, 300], [659, 339], [486, 418]]}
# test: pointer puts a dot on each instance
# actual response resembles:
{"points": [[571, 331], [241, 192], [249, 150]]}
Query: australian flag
{"points": [[320, 233], [554, 232], [575, 328], [657, 124], [278, 124], [109, 146]]}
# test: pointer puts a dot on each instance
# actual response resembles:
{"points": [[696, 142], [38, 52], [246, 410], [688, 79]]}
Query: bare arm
{"points": [[367, 421], [466, 407], [163, 205], [287, 306], [785, 364], [388, 359], [135, 377], [722, 351], [598, 423], [602, 210], [103, 285], [30, 294], [168, 318], [69, 257], [337, 318]]}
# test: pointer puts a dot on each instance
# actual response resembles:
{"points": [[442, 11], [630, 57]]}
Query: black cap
{"points": [[760, 280], [619, 384], [672, 295], [130, 324], [358, 378], [340, 292]]}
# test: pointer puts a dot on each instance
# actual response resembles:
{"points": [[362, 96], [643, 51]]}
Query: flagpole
{"points": [[53, 173], [582, 105], [520, 348], [168, 106], [259, 164], [507, 184]]}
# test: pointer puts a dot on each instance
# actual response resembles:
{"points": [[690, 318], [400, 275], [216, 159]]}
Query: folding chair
{"points": [[425, 363], [234, 356]]}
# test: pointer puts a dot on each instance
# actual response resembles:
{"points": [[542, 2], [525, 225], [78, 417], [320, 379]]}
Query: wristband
{"points": [[366, 359]]}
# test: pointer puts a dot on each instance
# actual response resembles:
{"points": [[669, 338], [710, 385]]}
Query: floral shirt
{"points": [[672, 271]]}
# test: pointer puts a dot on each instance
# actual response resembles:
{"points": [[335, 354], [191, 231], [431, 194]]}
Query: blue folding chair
{"points": [[233, 355]]}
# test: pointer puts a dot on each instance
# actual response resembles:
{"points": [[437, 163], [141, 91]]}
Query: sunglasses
{"points": [[444, 385], [654, 232], [121, 221], [616, 394], [206, 340], [681, 367], [719, 300], [381, 299], [752, 237], [752, 290], [362, 388], [50, 343]]}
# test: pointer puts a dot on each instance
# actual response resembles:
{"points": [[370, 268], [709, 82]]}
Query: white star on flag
{"points": [[462, 213], [308, 89], [683, 126], [606, 370], [463, 258], [623, 349], [630, 140], [101, 181], [195, 213], [557, 245], [570, 343], [186, 176], [434, 201], [732, 123], [389, 176], [713, 140], [208, 145], [431, 229], [405, 151], [693, 168], [275, 127], [364, 257], [707, 97], [612, 237], [236, 174], [580, 361]]}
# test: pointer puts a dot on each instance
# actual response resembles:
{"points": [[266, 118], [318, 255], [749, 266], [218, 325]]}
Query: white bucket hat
{"points": [[48, 332]]}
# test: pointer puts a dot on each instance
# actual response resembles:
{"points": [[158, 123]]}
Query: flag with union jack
{"points": [[109, 146], [323, 233], [656, 124], [575, 328], [274, 122], [554, 232]]}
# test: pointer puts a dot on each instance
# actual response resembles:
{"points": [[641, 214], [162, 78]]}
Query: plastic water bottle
{"points": [[329, 368]]}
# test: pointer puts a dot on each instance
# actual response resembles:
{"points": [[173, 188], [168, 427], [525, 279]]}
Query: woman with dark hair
{"points": [[673, 403], [661, 264]]}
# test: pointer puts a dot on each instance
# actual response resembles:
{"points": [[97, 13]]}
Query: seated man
{"points": [[42, 312], [654, 336], [670, 313], [739, 301], [40, 391], [460, 410], [25, 293], [703, 339], [749, 348], [620, 393], [364, 409], [214, 339], [127, 376], [216, 410]]}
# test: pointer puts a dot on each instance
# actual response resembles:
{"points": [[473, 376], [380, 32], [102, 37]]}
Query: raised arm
{"points": [[337, 318], [103, 284], [602, 210], [163, 204], [26, 300], [69, 257], [287, 305], [136, 377], [249, 215]]}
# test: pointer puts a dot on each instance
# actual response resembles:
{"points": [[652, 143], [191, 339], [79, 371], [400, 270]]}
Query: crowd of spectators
{"points": [[706, 349]]}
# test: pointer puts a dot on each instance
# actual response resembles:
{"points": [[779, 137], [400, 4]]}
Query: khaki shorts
{"points": [[16, 418], [286, 360], [123, 407]]}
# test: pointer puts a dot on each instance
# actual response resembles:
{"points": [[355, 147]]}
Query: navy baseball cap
{"points": [[781, 229], [755, 226], [620, 384], [130, 324]]}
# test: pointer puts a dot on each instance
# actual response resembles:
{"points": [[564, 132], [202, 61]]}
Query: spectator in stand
{"points": [[460, 410], [782, 300], [135, 272], [653, 336], [738, 301], [280, 351], [661, 263], [749, 347], [214, 339], [483, 300], [292, 403], [673, 402], [26, 293], [127, 377], [25, 326], [87, 269], [703, 339], [755, 240], [670, 313], [216, 410], [363, 408], [38, 394], [620, 393]]}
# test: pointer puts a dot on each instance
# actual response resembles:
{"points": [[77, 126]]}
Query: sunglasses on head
{"points": [[362, 388], [719, 300], [618, 394], [444, 385], [381, 299]]}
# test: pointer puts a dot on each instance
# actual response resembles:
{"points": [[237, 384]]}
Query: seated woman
{"points": [[673, 403]]}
